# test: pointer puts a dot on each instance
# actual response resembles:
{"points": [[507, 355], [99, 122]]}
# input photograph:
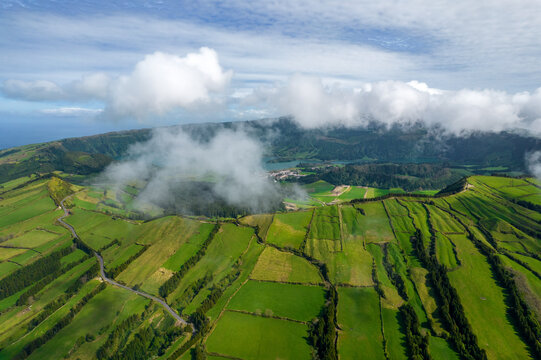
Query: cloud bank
{"points": [[158, 84], [230, 161], [314, 104]]}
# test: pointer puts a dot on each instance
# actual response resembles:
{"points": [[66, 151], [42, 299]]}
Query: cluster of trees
{"points": [[409, 177], [39, 341], [198, 353], [87, 275], [191, 291], [46, 280], [322, 332], [147, 343], [138, 347], [199, 198], [454, 188], [452, 312], [82, 246], [432, 246], [171, 284], [417, 343], [28, 275], [210, 300], [110, 347], [112, 273], [188, 344]]}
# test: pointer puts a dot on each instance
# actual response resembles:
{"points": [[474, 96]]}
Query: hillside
{"points": [[455, 276], [373, 144]]}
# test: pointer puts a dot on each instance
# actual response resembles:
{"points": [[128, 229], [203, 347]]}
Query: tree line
{"points": [[452, 312], [60, 324], [528, 326], [171, 284], [409, 177], [322, 331], [23, 299], [417, 343], [110, 347], [112, 273], [62, 299], [48, 310], [200, 321], [393, 275], [147, 343], [28, 275], [87, 275]]}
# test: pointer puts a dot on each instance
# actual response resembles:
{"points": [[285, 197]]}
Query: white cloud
{"points": [[159, 83], [71, 111], [315, 105], [533, 162], [231, 158], [40, 90], [162, 82]]}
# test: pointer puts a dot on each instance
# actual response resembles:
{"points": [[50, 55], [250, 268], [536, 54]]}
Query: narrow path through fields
{"points": [[112, 282]]}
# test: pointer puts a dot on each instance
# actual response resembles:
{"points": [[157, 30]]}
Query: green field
{"points": [[275, 265], [189, 248], [255, 337], [289, 229], [326, 224], [359, 319], [297, 302], [484, 304]]}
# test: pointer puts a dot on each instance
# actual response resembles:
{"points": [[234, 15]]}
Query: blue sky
{"points": [[485, 46]]}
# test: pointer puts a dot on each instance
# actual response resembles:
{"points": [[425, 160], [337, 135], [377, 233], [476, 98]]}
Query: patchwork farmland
{"points": [[398, 277]]}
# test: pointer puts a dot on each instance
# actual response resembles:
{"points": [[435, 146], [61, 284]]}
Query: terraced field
{"points": [[269, 286]]}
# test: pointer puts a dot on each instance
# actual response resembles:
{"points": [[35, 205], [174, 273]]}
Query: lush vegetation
{"points": [[172, 283], [422, 277], [409, 177]]}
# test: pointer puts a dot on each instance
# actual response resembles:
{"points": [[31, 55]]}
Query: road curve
{"points": [[112, 282]]}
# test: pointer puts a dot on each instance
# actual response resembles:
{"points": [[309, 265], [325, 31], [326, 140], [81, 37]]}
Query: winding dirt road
{"points": [[112, 282]]}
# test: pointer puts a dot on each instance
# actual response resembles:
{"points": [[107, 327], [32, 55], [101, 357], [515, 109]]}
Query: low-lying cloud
{"points": [[314, 105], [158, 84], [228, 165], [533, 162]]}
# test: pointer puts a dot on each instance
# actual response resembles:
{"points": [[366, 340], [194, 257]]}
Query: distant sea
{"points": [[17, 132]]}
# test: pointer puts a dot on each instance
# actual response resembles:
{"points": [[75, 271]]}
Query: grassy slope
{"points": [[484, 304], [296, 302], [255, 337], [359, 319], [275, 265], [289, 229]]}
